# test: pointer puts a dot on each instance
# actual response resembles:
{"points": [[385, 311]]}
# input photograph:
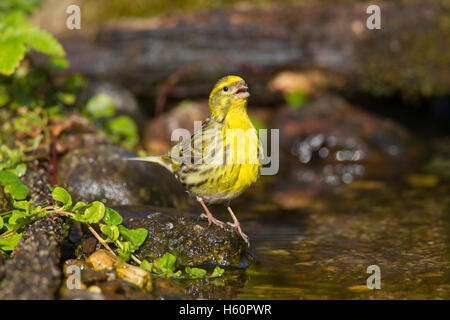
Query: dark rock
{"points": [[103, 174], [121, 290], [190, 239], [89, 245], [39, 180], [33, 271], [78, 294], [88, 275]]}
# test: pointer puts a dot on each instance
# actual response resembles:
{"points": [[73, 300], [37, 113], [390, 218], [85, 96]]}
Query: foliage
{"points": [[296, 99], [126, 241], [166, 267], [121, 130], [18, 36]]}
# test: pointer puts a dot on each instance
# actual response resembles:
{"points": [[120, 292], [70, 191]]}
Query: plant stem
{"points": [[117, 242], [100, 239], [92, 230]]}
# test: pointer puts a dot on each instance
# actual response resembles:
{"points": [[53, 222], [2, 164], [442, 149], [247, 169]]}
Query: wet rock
{"points": [[103, 174], [88, 275], [33, 271], [88, 245], [103, 260], [190, 239], [138, 276], [124, 101], [121, 290], [330, 142], [78, 294]]}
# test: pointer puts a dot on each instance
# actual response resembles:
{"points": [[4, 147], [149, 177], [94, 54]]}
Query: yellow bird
{"points": [[222, 160]]}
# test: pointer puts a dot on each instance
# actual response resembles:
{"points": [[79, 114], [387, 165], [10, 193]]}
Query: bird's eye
{"points": [[225, 89]]}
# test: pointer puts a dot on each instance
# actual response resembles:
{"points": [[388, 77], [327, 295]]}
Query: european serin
{"points": [[212, 166]]}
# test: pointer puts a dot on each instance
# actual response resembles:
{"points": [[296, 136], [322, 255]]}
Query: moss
{"points": [[407, 57], [192, 241]]}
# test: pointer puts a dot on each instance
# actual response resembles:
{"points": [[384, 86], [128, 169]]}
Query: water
{"points": [[317, 243], [322, 250]]}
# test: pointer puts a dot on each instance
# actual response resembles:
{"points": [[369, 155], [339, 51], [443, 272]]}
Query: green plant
{"points": [[18, 36], [121, 130], [296, 99], [126, 241], [166, 267]]}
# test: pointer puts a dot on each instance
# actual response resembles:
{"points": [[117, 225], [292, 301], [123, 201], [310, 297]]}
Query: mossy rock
{"points": [[190, 239]]}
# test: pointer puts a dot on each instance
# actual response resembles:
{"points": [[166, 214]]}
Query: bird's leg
{"points": [[209, 215], [237, 225]]}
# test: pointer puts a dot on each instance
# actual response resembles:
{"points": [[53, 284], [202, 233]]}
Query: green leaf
{"points": [[100, 106], [61, 195], [111, 232], [57, 63], [1, 223], [23, 205], [4, 95], [296, 98], [78, 206], [12, 51], [146, 265], [125, 251], [195, 272], [66, 97], [19, 170], [123, 130], [16, 217], [218, 272], [43, 41], [135, 237], [112, 217], [79, 215], [13, 186], [166, 263], [9, 243], [94, 212]]}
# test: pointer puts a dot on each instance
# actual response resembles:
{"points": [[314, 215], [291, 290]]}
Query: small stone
{"points": [[140, 277], [94, 289], [89, 245], [102, 260]]}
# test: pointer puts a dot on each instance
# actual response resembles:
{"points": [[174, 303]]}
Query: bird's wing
{"points": [[204, 147]]}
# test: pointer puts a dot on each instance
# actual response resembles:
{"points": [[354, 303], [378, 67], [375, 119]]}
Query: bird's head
{"points": [[229, 91]]}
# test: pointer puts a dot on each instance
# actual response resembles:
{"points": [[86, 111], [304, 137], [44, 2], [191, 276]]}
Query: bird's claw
{"points": [[212, 220], [242, 234]]}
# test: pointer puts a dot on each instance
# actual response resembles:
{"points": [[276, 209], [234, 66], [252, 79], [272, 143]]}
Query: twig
{"points": [[92, 230], [100, 239]]}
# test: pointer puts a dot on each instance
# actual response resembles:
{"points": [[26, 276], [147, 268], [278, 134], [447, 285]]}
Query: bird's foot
{"points": [[242, 234], [212, 220]]}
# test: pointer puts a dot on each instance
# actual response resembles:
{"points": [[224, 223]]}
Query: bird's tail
{"points": [[162, 160]]}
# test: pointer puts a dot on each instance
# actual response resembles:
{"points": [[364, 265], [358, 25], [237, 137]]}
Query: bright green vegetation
{"points": [[126, 241], [166, 267]]}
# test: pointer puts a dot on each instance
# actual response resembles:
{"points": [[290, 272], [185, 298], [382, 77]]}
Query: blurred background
{"points": [[364, 120]]}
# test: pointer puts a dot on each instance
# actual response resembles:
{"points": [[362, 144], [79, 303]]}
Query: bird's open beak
{"points": [[241, 92]]}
